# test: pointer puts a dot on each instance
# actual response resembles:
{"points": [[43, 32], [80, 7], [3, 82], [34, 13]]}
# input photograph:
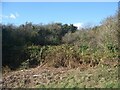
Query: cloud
{"points": [[78, 25], [11, 16]]}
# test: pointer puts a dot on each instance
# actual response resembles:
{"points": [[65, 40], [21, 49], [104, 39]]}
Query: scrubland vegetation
{"points": [[63, 46]]}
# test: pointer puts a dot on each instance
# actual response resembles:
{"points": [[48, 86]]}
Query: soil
{"points": [[30, 78]]}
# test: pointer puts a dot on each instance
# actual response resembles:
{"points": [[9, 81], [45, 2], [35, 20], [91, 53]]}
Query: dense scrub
{"points": [[16, 40], [59, 45]]}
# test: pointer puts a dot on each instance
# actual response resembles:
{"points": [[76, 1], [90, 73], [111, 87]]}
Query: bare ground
{"points": [[46, 76]]}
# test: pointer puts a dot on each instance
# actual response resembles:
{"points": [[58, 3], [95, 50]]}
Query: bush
{"points": [[34, 56], [64, 55]]}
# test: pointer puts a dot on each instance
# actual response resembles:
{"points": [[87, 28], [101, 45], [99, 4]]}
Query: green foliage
{"points": [[112, 48], [34, 56], [16, 39], [83, 48], [64, 55], [58, 44]]}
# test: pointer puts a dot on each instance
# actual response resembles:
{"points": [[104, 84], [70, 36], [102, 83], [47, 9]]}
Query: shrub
{"points": [[64, 55]]}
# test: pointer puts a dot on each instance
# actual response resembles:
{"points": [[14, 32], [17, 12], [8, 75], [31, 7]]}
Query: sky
{"points": [[77, 13]]}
